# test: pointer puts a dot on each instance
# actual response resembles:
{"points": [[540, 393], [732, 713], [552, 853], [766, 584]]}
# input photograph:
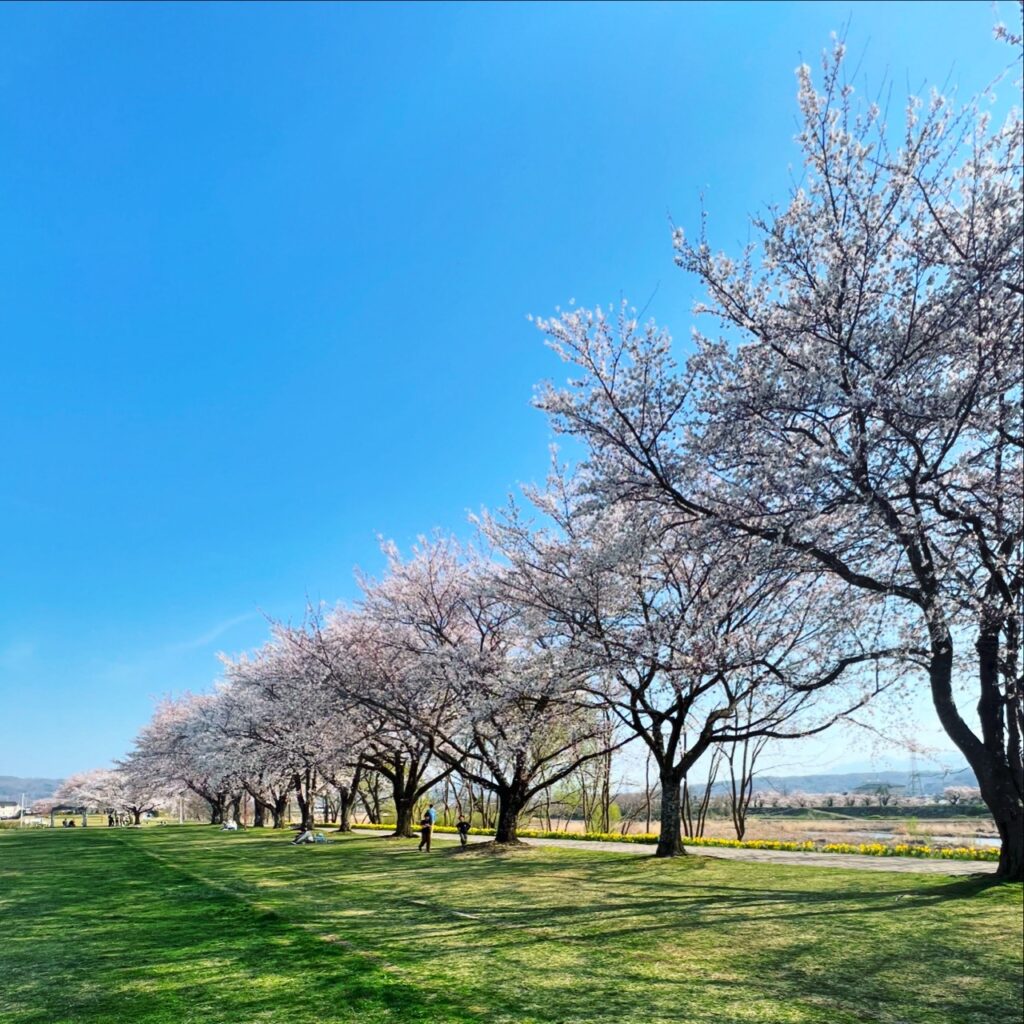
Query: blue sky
{"points": [[264, 278]]}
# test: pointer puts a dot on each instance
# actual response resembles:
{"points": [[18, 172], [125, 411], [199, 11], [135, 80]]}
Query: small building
{"points": [[9, 809]]}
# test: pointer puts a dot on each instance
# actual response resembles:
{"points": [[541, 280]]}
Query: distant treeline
{"points": [[972, 810], [925, 783]]}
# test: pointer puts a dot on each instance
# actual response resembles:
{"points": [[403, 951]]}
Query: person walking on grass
{"points": [[462, 827], [427, 827]]}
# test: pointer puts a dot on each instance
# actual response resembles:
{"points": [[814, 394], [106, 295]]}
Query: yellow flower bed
{"points": [[863, 849]]}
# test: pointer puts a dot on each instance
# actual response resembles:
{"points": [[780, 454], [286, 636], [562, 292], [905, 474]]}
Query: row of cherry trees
{"points": [[509, 665], [822, 503], [110, 790], [858, 404]]}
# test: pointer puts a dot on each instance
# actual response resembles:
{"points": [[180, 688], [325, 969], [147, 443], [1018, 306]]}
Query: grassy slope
{"points": [[190, 925]]}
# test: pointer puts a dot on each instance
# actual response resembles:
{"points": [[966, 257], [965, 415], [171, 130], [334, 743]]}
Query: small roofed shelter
{"points": [[69, 808]]}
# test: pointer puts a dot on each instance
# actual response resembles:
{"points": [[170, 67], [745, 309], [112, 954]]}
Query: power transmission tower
{"points": [[914, 786]]}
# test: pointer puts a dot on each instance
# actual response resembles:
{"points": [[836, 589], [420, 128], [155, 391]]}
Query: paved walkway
{"points": [[918, 865]]}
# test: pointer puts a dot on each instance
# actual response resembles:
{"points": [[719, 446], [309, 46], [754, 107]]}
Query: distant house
{"points": [[9, 809]]}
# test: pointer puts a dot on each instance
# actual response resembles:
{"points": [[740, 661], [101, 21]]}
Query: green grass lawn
{"points": [[186, 924]]}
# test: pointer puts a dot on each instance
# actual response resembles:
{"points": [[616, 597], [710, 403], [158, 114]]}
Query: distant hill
{"points": [[11, 788], [931, 783]]}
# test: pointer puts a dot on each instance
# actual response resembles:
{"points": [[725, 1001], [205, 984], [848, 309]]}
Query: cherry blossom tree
{"points": [[259, 769], [501, 702], [695, 637], [956, 795], [110, 789], [861, 402], [366, 669], [183, 745], [277, 700]]}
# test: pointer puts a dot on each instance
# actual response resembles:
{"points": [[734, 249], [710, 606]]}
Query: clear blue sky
{"points": [[264, 274]]}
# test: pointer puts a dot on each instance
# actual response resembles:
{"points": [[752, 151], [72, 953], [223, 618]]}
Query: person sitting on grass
{"points": [[462, 827], [309, 836]]}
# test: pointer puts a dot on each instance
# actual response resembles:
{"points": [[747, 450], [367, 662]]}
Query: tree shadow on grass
{"points": [[549, 936], [822, 954], [112, 935]]}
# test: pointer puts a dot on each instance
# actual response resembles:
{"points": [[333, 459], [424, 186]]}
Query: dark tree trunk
{"points": [[511, 802], [305, 799], [989, 759], [236, 809], [404, 784], [278, 809], [346, 802], [259, 813], [137, 815], [403, 818], [670, 842], [993, 768], [217, 809]]}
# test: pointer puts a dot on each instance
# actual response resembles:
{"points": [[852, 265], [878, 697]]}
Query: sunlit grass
{"points": [[193, 925]]}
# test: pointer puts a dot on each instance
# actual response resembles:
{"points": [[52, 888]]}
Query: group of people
{"points": [[426, 825], [427, 828], [68, 823]]}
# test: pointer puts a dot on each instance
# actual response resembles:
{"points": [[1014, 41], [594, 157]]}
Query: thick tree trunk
{"points": [[217, 809], [346, 802], [994, 771], [236, 809], [670, 842], [404, 808], [137, 815], [278, 809], [259, 813], [1005, 807], [306, 817], [511, 802], [403, 792], [989, 759], [305, 800]]}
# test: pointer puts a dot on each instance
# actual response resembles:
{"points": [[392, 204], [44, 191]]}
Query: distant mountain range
{"points": [[924, 783], [927, 783], [12, 787]]}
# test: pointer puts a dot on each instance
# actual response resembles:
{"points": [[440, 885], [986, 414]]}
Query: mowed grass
{"points": [[187, 924]]}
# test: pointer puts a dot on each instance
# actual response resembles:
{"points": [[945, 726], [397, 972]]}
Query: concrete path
{"points": [[918, 865]]}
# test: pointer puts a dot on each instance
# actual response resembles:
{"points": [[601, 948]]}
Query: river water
{"points": [[944, 840]]}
